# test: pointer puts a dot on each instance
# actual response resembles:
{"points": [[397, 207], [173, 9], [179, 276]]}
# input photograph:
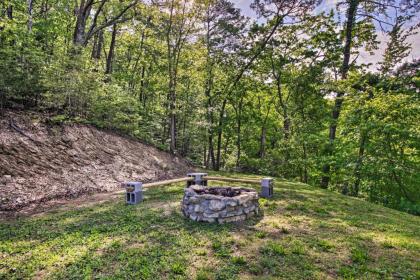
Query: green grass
{"points": [[302, 233]]}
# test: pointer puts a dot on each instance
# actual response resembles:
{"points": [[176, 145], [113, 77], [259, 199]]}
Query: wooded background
{"points": [[284, 95]]}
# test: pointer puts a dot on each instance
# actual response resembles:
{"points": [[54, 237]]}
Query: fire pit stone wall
{"points": [[228, 204]]}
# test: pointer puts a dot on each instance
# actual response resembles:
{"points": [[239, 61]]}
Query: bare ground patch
{"points": [[43, 164]]}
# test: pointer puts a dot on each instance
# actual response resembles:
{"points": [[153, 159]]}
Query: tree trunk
{"points": [[210, 131], [363, 140], [219, 134], [283, 105], [238, 143], [286, 124], [305, 167], [211, 151], [30, 6], [357, 169], [238, 133], [205, 154], [9, 12], [263, 139], [97, 45], [351, 14], [110, 57], [82, 12], [172, 121], [142, 94]]}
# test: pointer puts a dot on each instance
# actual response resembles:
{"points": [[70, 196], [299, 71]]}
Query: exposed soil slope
{"points": [[40, 162]]}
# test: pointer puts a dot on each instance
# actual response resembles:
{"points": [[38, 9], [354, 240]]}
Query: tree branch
{"points": [[117, 19]]}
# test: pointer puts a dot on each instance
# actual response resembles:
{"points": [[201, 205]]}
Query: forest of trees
{"points": [[285, 94]]}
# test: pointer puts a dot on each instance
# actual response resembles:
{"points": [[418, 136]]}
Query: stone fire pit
{"points": [[219, 204]]}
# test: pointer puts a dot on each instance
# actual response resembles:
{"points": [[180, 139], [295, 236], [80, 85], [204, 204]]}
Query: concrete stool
{"points": [[198, 179], [134, 192], [267, 187]]}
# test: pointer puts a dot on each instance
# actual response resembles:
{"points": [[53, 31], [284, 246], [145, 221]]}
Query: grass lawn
{"points": [[302, 233]]}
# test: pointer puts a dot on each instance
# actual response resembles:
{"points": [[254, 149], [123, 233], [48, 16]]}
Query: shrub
{"points": [[115, 109]]}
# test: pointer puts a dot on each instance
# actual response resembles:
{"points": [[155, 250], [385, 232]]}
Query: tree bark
{"points": [[9, 12], [30, 6], [205, 154], [97, 45], [283, 103], [305, 167], [238, 132], [210, 131], [263, 139], [351, 14], [175, 40], [82, 12], [357, 169], [172, 121], [110, 57], [219, 134], [142, 94], [364, 138]]}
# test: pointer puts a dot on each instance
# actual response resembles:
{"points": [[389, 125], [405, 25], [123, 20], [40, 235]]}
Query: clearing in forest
{"points": [[303, 233]]}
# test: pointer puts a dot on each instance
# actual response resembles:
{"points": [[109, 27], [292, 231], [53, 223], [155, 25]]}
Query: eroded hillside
{"points": [[40, 161]]}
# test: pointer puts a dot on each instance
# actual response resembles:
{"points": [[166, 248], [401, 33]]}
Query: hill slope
{"points": [[40, 162], [302, 233]]}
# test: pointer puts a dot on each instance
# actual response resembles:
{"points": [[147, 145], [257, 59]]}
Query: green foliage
{"points": [[408, 206], [201, 82], [70, 85], [114, 108]]}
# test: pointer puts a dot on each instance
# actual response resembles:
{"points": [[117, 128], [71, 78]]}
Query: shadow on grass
{"points": [[153, 239]]}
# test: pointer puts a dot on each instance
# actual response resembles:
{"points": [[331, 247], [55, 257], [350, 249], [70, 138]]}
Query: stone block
{"points": [[193, 200], [250, 214], [197, 208], [231, 202], [211, 215], [193, 217], [267, 187], [209, 220], [234, 213], [216, 205], [242, 199], [249, 209], [232, 219]]}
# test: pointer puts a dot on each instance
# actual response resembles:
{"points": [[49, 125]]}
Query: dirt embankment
{"points": [[40, 162]]}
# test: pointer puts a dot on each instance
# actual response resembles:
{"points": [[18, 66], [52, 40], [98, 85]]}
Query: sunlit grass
{"points": [[303, 233]]}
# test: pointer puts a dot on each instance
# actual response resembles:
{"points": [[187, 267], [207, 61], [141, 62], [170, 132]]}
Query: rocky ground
{"points": [[40, 162]]}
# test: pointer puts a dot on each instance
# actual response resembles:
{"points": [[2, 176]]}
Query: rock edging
{"points": [[215, 208]]}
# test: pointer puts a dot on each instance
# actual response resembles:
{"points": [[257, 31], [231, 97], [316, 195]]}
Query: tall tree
{"points": [[223, 26], [179, 24], [358, 30], [82, 33], [397, 49], [110, 58]]}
